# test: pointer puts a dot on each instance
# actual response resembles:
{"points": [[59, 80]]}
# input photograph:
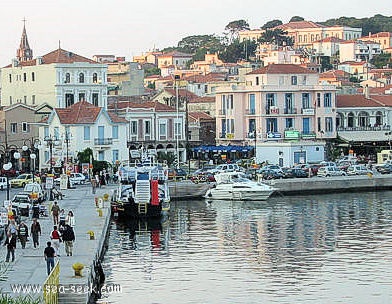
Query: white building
{"points": [[358, 50], [82, 126]]}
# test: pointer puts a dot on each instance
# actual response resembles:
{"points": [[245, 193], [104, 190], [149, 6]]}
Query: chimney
{"points": [[39, 60], [366, 92], [370, 33], [15, 62]]}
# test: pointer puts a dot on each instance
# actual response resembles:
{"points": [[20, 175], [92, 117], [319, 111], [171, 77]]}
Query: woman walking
{"points": [[56, 239]]}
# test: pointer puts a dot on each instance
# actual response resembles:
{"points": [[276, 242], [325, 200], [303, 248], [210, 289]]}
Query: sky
{"points": [[128, 28]]}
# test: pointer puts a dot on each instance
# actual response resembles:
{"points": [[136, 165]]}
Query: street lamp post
{"points": [[7, 165], [51, 141], [30, 147]]}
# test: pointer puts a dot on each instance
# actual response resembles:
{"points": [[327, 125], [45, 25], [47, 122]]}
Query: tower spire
{"points": [[24, 52]]}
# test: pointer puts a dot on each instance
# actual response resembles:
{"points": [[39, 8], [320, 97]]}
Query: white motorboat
{"points": [[235, 186]]}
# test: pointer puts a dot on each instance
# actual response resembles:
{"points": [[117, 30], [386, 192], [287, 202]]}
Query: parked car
{"points": [[330, 171], [294, 172], [226, 168], [328, 164], [22, 202], [35, 192], [176, 173], [386, 169], [23, 179], [275, 168], [306, 167], [358, 170], [271, 174], [77, 178]]}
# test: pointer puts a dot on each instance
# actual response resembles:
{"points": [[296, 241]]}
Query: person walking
{"points": [[12, 228], [56, 239], [49, 254], [55, 212], [68, 238], [10, 242], [70, 219], [35, 231], [62, 218], [23, 233]]}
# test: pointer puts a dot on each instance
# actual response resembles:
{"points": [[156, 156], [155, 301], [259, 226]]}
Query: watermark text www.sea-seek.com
{"points": [[69, 288]]}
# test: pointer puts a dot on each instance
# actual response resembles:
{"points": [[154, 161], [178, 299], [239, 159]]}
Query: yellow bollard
{"points": [[100, 213], [91, 234], [370, 174]]}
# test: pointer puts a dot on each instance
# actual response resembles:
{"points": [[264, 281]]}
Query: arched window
{"points": [[81, 78], [67, 78], [95, 78], [339, 120], [379, 120], [363, 119]]}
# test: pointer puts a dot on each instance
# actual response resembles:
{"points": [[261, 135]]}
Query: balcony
{"points": [[307, 111], [378, 128], [103, 141], [272, 110]]}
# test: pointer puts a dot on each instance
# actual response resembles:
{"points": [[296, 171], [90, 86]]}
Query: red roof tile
{"points": [[359, 100], [197, 116], [81, 112], [282, 69], [299, 25], [148, 105]]}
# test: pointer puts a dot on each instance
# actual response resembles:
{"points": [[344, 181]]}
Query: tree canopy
{"points": [[271, 24], [234, 27], [296, 18], [277, 36]]}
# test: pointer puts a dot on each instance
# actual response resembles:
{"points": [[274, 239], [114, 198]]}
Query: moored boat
{"points": [[235, 186]]}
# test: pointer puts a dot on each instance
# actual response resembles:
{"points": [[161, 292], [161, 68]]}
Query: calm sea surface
{"points": [[303, 249]]}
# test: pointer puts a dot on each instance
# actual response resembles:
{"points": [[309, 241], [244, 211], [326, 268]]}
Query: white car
{"points": [[330, 171], [35, 192], [358, 170], [74, 178]]}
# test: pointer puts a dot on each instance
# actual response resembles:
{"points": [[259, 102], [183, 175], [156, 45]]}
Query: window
{"points": [[115, 132], [25, 127], [82, 96], [25, 99], [318, 99], [252, 127], [230, 102], [270, 98], [252, 103], [177, 129], [328, 124], [294, 80], [162, 129], [32, 76], [134, 127], [14, 127], [223, 124], [147, 127], [69, 100], [223, 104], [10, 100], [257, 80], [305, 101], [272, 124], [304, 80], [318, 124], [24, 77], [33, 99], [10, 77], [67, 78], [56, 132], [115, 156], [81, 78], [46, 131], [101, 155], [289, 123], [327, 100], [95, 78], [95, 99], [86, 133], [206, 89]]}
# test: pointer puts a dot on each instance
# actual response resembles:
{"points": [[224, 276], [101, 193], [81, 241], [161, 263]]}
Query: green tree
{"points": [[85, 156], [166, 157], [238, 51], [296, 18], [152, 71], [192, 44], [276, 36], [271, 24], [234, 27], [381, 60]]}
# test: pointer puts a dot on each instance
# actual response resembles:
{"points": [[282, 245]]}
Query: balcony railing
{"points": [[103, 141], [272, 110], [307, 111], [290, 110]]}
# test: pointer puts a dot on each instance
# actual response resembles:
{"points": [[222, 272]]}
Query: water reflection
{"points": [[321, 249]]}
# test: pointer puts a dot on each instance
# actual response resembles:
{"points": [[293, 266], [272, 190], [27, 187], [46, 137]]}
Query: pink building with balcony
{"points": [[282, 104]]}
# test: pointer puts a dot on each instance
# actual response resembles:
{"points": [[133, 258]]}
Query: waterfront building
{"points": [[80, 126], [278, 103], [364, 121], [153, 125]]}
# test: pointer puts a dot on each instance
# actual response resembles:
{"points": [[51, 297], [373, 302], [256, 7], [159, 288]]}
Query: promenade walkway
{"points": [[28, 271]]}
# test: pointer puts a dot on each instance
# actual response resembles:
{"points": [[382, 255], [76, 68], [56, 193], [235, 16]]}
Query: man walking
{"points": [[68, 238], [23, 234], [35, 232], [55, 212], [49, 255], [11, 245]]}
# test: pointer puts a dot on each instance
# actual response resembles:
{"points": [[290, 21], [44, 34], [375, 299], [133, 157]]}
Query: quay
{"points": [[334, 184], [29, 268]]}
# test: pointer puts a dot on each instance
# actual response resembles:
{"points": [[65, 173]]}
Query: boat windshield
{"points": [[240, 179]]}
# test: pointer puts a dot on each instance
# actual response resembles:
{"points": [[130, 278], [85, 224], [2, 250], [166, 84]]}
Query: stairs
{"points": [[142, 192]]}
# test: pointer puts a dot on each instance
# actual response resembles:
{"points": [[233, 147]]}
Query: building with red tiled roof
{"points": [[176, 60], [338, 78], [328, 46], [154, 125], [305, 33], [83, 126], [59, 78], [364, 120], [383, 38]]}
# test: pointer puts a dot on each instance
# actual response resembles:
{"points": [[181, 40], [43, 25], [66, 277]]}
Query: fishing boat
{"points": [[235, 186], [143, 189]]}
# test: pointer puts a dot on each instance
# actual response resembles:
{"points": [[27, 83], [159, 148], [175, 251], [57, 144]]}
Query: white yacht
{"points": [[235, 186]]}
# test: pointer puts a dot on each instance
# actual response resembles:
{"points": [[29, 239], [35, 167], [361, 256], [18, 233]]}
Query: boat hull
{"points": [[187, 189], [238, 195]]}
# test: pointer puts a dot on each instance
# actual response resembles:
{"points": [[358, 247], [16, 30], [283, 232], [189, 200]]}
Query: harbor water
{"points": [[302, 249]]}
